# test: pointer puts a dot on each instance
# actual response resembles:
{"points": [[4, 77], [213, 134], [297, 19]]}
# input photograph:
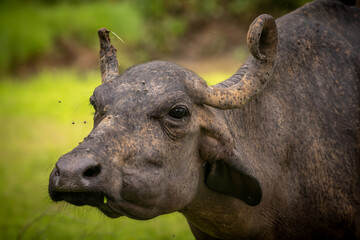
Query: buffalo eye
{"points": [[178, 112]]}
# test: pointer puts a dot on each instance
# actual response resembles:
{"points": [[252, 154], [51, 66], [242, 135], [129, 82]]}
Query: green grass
{"points": [[35, 130], [32, 30]]}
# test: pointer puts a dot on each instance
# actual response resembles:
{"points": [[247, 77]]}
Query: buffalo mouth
{"points": [[94, 199]]}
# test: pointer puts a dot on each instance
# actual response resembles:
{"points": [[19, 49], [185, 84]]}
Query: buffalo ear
{"points": [[223, 178], [226, 170]]}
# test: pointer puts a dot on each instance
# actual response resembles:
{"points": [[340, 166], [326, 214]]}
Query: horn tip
{"points": [[104, 35], [103, 31]]}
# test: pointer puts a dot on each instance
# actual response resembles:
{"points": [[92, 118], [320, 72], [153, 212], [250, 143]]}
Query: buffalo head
{"points": [[159, 135]]}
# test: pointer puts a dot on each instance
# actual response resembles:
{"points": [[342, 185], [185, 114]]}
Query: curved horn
{"points": [[108, 63], [262, 41]]}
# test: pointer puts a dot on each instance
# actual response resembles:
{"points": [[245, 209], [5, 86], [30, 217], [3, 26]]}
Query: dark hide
{"points": [[271, 153]]}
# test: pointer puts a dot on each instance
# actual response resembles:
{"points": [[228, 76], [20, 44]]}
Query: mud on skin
{"points": [[270, 153]]}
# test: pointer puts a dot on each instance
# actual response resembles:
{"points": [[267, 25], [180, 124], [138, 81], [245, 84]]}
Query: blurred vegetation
{"points": [[33, 29]]}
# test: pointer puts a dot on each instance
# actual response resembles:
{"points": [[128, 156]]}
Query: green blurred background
{"points": [[48, 70]]}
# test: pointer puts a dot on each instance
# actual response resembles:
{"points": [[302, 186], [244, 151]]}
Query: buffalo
{"points": [[273, 152]]}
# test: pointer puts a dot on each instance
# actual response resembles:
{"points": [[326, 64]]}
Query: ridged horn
{"points": [[108, 62], [262, 42]]}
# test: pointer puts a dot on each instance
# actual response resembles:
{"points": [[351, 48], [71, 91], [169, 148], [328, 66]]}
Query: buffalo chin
{"points": [[105, 209]]}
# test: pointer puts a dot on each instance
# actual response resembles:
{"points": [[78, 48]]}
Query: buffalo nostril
{"points": [[56, 171], [92, 171]]}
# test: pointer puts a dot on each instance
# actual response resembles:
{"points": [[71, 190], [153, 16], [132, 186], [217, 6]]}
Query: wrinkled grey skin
{"points": [[283, 164]]}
